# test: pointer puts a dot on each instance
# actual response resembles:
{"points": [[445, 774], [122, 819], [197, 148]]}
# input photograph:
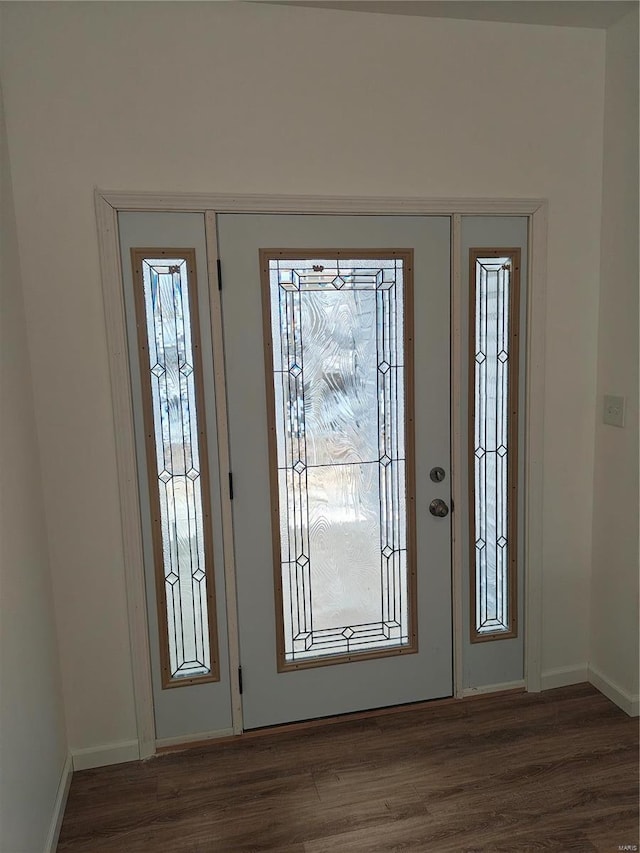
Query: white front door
{"points": [[337, 350]]}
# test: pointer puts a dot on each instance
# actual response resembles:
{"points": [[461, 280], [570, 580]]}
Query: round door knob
{"points": [[438, 508]]}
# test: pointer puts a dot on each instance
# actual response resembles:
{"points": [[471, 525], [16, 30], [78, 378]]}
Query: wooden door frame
{"points": [[109, 203]]}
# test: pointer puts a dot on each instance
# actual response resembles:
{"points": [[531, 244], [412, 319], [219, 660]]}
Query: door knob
{"points": [[439, 508]]}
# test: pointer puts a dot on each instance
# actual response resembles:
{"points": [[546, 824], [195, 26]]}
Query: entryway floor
{"points": [[553, 771]]}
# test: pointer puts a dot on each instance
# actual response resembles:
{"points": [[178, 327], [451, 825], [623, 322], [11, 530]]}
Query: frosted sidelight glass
{"points": [[494, 347], [170, 366], [338, 358]]}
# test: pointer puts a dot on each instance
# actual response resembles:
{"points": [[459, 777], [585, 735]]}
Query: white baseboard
{"points": [[187, 739], [100, 756], [493, 688], [563, 676], [629, 704], [59, 807]]}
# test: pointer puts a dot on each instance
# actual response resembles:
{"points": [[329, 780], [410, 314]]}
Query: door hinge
{"points": [[240, 679], [230, 486], [452, 505], [219, 266]]}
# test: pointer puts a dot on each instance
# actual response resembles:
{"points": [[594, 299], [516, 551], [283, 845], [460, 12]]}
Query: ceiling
{"points": [[560, 13]]}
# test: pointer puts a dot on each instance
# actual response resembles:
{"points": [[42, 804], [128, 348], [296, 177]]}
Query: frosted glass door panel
{"points": [[340, 360]]}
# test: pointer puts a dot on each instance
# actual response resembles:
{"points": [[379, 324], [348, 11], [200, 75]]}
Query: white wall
{"points": [[233, 97], [614, 611], [33, 746]]}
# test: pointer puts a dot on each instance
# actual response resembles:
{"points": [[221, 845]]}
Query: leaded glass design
{"points": [[494, 351], [340, 365], [176, 459]]}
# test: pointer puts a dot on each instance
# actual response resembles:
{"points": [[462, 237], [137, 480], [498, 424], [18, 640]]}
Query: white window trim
{"points": [[108, 204]]}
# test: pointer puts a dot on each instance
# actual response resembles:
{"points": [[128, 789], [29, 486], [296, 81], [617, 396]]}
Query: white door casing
{"points": [[107, 206]]}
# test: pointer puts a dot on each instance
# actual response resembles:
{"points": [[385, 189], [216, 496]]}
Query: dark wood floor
{"points": [[556, 771]]}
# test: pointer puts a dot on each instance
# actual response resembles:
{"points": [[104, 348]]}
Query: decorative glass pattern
{"points": [[493, 438], [175, 463], [339, 374]]}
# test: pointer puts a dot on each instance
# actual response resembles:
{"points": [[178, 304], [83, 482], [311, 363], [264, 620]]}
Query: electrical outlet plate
{"points": [[613, 410]]}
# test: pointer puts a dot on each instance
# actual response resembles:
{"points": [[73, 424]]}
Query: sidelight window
{"points": [[177, 465], [493, 397]]}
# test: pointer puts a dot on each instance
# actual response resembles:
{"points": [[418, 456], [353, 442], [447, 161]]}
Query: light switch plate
{"points": [[613, 410]]}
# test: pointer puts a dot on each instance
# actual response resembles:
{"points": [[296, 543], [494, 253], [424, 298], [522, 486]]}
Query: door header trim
{"points": [[364, 205]]}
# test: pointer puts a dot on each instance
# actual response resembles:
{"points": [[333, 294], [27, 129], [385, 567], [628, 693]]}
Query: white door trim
{"points": [[109, 203], [458, 453], [224, 456], [127, 466]]}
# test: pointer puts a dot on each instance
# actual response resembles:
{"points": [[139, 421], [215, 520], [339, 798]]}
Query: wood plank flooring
{"points": [[554, 771]]}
